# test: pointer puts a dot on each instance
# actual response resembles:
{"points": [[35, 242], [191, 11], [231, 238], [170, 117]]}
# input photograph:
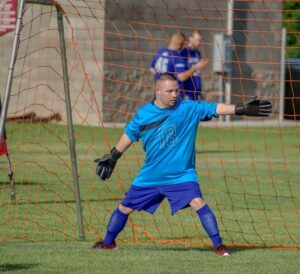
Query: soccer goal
{"points": [[80, 69]]}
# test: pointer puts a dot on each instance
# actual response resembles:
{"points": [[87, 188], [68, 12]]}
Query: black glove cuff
{"points": [[240, 109], [115, 154]]}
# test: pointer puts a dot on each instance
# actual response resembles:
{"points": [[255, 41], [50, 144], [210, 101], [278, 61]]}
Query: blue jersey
{"points": [[192, 57], [167, 60], [168, 138]]}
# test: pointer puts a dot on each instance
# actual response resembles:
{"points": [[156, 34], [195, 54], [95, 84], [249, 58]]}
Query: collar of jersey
{"points": [[169, 108]]}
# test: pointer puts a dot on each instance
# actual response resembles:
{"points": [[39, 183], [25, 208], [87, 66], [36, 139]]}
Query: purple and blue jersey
{"points": [[167, 60], [168, 138], [192, 57]]}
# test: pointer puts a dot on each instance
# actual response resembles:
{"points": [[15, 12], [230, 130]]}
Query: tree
{"points": [[291, 20]]}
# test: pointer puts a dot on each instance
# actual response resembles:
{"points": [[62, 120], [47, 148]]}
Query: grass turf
{"points": [[75, 257], [249, 176]]}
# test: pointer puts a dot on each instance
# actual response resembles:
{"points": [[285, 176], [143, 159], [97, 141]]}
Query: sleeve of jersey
{"points": [[207, 111], [132, 129]]}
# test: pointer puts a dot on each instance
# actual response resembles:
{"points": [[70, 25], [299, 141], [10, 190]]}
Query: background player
{"points": [[192, 86], [167, 127], [171, 61], [168, 59]]}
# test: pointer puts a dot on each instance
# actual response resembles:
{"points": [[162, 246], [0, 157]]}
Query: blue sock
{"points": [[115, 225], [210, 224]]}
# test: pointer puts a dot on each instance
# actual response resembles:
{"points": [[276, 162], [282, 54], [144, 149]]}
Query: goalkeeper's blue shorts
{"points": [[149, 198]]}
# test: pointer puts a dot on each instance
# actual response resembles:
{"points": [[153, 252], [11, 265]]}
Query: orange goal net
{"points": [[248, 168]]}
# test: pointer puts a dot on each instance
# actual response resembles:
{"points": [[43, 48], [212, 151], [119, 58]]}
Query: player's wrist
{"points": [[240, 109], [115, 154]]}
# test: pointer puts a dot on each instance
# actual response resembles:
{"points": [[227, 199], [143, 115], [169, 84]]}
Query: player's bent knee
{"points": [[197, 203], [125, 209]]}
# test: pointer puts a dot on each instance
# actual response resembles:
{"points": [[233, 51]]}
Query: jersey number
{"points": [[167, 136], [161, 65]]}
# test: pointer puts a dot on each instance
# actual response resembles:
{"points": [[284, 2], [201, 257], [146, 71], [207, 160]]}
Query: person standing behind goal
{"points": [[169, 60], [168, 127], [192, 86]]}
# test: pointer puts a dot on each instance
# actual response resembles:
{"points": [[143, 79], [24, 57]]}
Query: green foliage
{"points": [[291, 17]]}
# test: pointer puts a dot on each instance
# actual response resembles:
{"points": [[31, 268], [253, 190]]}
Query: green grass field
{"points": [[249, 176], [74, 257]]}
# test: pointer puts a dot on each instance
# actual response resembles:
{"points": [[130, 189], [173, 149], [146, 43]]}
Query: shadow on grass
{"points": [[22, 183], [34, 183], [206, 249], [69, 201], [232, 248], [15, 267], [216, 151], [179, 248], [64, 201]]}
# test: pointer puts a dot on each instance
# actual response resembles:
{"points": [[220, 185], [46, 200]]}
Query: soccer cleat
{"points": [[222, 250], [101, 245]]}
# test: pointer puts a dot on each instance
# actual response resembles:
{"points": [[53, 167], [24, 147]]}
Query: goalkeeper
{"points": [[167, 127]]}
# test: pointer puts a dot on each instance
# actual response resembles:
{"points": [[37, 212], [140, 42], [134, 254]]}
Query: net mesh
{"points": [[248, 168]]}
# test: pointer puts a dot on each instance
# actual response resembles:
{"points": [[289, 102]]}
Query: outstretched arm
{"points": [[225, 109], [257, 108]]}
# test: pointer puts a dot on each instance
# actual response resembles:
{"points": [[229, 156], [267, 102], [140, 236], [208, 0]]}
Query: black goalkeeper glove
{"points": [[106, 164], [258, 108]]}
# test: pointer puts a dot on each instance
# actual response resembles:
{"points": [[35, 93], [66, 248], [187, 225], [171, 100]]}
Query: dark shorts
{"points": [[149, 198]]}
